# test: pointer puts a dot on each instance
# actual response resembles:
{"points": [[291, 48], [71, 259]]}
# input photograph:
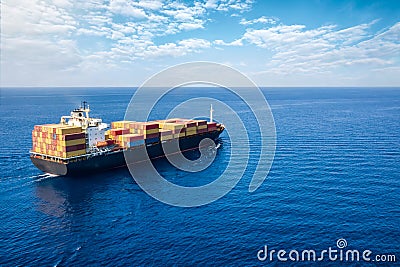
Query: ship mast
{"points": [[211, 113], [86, 110]]}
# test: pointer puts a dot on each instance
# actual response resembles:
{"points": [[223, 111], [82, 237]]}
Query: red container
{"points": [[190, 124], [172, 120], [119, 131], [183, 130], [75, 147], [133, 138], [165, 133], [212, 126], [149, 125], [201, 122], [187, 123], [110, 142], [73, 136], [149, 136], [38, 128], [202, 130]]}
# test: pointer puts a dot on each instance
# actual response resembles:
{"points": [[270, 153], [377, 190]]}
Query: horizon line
{"points": [[127, 87]]}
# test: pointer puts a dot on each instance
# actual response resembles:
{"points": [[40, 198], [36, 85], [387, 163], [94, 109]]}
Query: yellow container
{"points": [[190, 129], [48, 128], [121, 124], [179, 135], [72, 142], [68, 130], [171, 126], [73, 153], [147, 132], [166, 137], [200, 127], [192, 132], [63, 144]]}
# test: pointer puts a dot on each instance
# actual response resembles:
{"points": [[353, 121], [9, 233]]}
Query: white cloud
{"points": [[52, 37], [237, 42], [235, 5], [262, 20], [180, 49], [325, 51], [126, 8], [211, 4], [36, 18], [149, 4], [191, 26], [297, 49]]}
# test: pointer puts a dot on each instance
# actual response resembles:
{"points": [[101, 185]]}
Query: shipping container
{"points": [[72, 142], [118, 131], [201, 122], [68, 130], [212, 126], [73, 153], [72, 136], [152, 140], [135, 143], [165, 132], [121, 124], [73, 148], [172, 126], [166, 137], [131, 137], [192, 132], [202, 130]]}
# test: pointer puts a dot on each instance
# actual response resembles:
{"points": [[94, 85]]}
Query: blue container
{"points": [[135, 143], [152, 140]]}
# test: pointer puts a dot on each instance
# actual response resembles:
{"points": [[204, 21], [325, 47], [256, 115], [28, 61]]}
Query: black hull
{"points": [[112, 160]]}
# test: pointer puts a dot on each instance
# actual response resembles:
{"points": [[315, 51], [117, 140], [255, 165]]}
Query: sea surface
{"points": [[335, 175]]}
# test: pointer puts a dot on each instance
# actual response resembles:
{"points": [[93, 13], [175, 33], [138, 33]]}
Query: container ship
{"points": [[81, 144]]}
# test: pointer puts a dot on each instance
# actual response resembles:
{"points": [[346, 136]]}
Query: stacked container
{"points": [[131, 133], [211, 126], [59, 140], [191, 127], [166, 135], [131, 140], [201, 126], [121, 124], [178, 129]]}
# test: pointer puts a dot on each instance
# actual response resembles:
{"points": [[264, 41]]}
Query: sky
{"points": [[125, 42]]}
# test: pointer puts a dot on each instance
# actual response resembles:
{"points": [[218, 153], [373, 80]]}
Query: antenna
{"points": [[86, 110], [211, 114]]}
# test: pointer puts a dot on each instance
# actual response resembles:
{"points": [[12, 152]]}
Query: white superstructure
{"points": [[94, 128]]}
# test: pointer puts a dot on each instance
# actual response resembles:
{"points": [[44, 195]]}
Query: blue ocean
{"points": [[335, 176]]}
